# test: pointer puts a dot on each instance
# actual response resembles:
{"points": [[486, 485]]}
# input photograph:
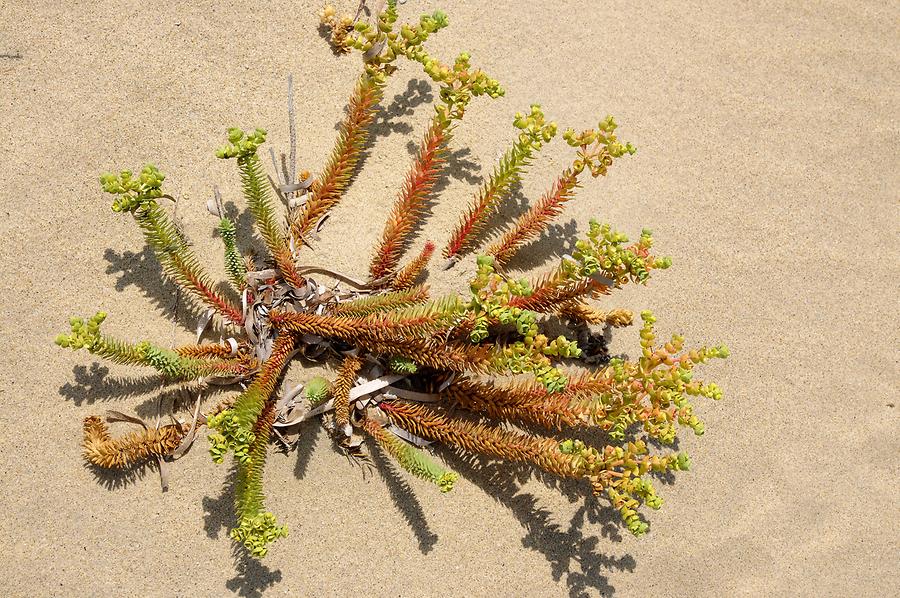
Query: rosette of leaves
{"points": [[477, 371]]}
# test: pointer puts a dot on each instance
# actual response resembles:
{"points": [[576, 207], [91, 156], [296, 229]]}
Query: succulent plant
{"points": [[477, 371]]}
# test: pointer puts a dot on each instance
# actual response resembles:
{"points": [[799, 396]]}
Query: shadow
{"points": [[248, 242], [116, 479], [582, 551], [95, 384], [325, 33], [417, 92], [178, 398], [306, 444], [572, 555], [462, 168], [554, 241], [457, 166], [511, 208], [251, 577], [594, 343], [405, 500], [143, 270], [385, 123], [218, 512]]}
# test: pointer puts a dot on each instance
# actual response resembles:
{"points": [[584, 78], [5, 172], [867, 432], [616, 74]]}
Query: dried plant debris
{"points": [[477, 371]]}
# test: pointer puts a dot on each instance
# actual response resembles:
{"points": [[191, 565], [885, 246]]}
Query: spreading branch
{"points": [[412, 200], [506, 174], [329, 187]]}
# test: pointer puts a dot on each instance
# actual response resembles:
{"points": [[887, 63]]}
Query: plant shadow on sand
{"points": [[115, 479], [252, 576], [573, 554], [93, 384], [143, 271], [405, 500], [389, 119]]}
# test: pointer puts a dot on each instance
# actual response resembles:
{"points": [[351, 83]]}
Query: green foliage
{"points": [[317, 391], [257, 532], [83, 334], [248, 406], [535, 132], [133, 193], [459, 82], [490, 305], [416, 461], [87, 335], [257, 191], [454, 352], [257, 527], [598, 147], [664, 375], [241, 144], [605, 251], [138, 196], [230, 436], [507, 172], [634, 490], [402, 365], [388, 301], [235, 266], [168, 363]]}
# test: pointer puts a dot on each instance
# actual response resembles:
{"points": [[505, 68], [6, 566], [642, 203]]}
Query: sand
{"points": [[767, 168]]}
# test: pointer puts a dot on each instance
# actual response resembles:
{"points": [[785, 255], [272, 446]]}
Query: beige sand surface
{"points": [[768, 169]]}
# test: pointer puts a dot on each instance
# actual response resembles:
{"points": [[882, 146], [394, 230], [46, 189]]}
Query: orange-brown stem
{"points": [[207, 350], [526, 404], [330, 185], [530, 224], [409, 274], [212, 298], [580, 311], [412, 199], [377, 326], [131, 449], [555, 290], [383, 302], [341, 389], [480, 438], [434, 353], [251, 403]]}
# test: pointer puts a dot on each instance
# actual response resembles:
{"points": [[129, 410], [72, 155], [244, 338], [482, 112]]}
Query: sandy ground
{"points": [[767, 167]]}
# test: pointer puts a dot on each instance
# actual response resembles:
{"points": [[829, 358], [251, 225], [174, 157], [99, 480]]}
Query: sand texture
{"points": [[767, 168]]}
